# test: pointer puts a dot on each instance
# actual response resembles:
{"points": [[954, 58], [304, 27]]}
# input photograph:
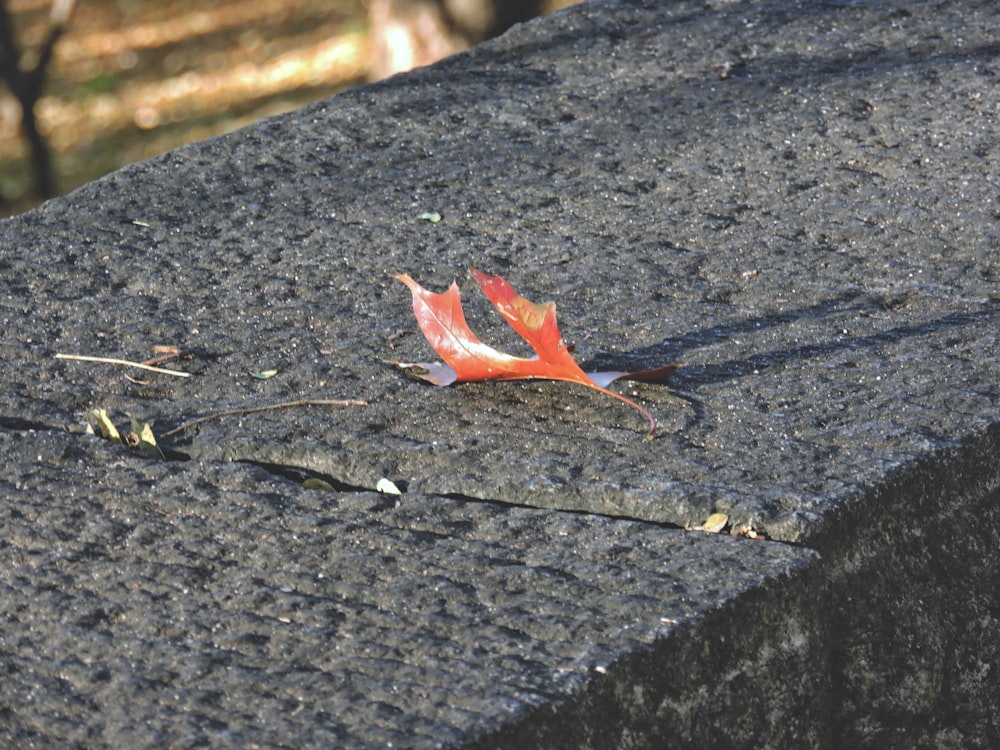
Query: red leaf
{"points": [[442, 321]]}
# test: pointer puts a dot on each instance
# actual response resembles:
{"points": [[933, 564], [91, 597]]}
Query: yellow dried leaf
{"points": [[144, 439], [715, 523], [99, 418]]}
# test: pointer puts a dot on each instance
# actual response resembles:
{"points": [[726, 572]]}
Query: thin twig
{"points": [[270, 407], [166, 358], [124, 362]]}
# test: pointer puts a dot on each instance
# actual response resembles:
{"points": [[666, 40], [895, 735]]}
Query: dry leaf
{"points": [[387, 487], [715, 523], [466, 358], [99, 418], [144, 439]]}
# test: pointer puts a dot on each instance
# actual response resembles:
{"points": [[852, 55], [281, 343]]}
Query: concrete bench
{"points": [[798, 201]]}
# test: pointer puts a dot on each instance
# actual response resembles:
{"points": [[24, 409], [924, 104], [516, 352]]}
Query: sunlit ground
{"points": [[133, 78]]}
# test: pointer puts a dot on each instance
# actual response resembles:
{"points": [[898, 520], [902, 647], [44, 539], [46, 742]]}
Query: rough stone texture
{"points": [[796, 200], [179, 604], [802, 234]]}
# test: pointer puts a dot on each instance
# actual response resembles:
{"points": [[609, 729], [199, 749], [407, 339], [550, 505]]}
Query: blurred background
{"points": [[108, 82]]}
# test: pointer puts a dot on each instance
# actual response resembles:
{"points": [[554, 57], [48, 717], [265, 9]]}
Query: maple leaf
{"points": [[466, 358]]}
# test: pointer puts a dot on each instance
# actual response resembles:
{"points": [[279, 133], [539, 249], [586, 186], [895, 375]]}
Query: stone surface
{"points": [[796, 200], [152, 604], [811, 228]]}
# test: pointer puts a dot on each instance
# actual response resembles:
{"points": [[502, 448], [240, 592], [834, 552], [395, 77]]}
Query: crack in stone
{"points": [[21, 424]]}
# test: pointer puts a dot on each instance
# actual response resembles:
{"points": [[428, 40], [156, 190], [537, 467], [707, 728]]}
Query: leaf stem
{"points": [[269, 407], [638, 407]]}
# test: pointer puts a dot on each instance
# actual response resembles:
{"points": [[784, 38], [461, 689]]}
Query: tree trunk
{"points": [[26, 85]]}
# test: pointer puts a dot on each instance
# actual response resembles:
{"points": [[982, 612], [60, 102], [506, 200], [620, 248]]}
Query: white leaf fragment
{"points": [[387, 487]]}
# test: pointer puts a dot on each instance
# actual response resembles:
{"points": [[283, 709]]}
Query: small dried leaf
{"points": [[144, 439], [264, 374], [387, 487], [715, 523], [99, 418], [432, 216], [748, 532]]}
